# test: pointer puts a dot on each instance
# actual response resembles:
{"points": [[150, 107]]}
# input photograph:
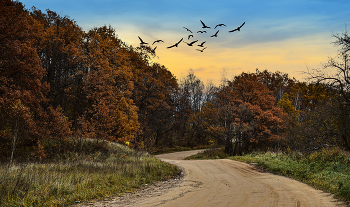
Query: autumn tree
{"points": [[111, 112], [154, 87], [204, 116], [248, 117], [200, 125], [287, 105], [161, 118], [279, 83], [306, 96], [23, 119], [320, 116], [59, 47]]}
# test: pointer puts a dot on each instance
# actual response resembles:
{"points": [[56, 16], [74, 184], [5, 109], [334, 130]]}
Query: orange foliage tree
{"points": [[23, 119], [111, 114], [248, 118], [59, 47]]}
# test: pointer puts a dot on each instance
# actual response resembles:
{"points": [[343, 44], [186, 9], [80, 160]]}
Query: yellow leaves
{"points": [[205, 117], [211, 142], [288, 108]]}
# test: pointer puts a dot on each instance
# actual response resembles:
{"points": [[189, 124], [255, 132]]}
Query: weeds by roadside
{"points": [[75, 176], [328, 169]]}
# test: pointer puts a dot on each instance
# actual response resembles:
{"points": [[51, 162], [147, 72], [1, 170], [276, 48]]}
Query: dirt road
{"points": [[226, 183]]}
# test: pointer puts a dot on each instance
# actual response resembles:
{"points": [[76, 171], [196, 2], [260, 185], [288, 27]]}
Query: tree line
{"points": [[58, 82]]}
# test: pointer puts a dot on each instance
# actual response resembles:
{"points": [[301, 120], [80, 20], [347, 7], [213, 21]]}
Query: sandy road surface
{"points": [[225, 183]]}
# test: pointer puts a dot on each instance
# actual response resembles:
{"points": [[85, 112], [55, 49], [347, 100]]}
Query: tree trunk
{"points": [[229, 147]]}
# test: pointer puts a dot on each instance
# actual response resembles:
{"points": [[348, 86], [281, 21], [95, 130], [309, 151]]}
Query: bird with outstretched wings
{"points": [[142, 42], [157, 41], [216, 34], [191, 43], [176, 44], [201, 45], [188, 29], [219, 25], [238, 28], [201, 49], [204, 26]]}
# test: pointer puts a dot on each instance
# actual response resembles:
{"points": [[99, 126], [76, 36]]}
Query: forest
{"points": [[59, 82]]}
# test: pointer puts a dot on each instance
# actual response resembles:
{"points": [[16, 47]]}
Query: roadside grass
{"points": [[110, 169], [211, 153], [327, 169]]}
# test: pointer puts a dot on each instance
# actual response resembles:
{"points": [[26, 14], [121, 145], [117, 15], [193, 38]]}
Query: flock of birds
{"points": [[204, 26]]}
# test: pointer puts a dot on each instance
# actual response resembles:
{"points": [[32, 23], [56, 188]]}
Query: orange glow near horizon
{"points": [[292, 57]]}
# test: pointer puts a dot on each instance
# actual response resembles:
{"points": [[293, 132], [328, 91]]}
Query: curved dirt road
{"points": [[230, 183]]}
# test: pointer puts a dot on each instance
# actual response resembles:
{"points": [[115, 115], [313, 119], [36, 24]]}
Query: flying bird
{"points": [[238, 28], [202, 31], [142, 42], [190, 36], [176, 44], [219, 25], [191, 43], [216, 34], [204, 26], [201, 45], [201, 49], [188, 29], [153, 51], [157, 41]]}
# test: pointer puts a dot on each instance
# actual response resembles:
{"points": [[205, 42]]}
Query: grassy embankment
{"points": [[99, 170], [327, 169]]}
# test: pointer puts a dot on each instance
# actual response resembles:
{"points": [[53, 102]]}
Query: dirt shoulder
{"points": [[221, 183]]}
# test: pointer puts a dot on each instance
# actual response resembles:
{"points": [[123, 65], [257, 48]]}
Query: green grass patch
{"points": [[80, 176], [327, 169], [211, 153]]}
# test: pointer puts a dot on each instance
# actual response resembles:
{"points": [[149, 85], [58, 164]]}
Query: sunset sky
{"points": [[286, 35]]}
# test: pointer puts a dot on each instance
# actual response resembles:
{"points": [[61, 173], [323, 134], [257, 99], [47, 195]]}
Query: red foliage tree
{"points": [[247, 115]]}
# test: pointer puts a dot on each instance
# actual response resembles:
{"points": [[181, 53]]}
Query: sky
{"points": [[289, 36]]}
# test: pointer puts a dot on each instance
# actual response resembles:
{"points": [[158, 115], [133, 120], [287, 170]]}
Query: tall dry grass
{"points": [[79, 177]]}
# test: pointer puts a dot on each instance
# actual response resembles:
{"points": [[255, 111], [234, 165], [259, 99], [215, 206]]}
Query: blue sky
{"points": [[283, 35]]}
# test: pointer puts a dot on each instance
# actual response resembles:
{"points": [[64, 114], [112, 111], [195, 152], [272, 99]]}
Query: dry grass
{"points": [[80, 177]]}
